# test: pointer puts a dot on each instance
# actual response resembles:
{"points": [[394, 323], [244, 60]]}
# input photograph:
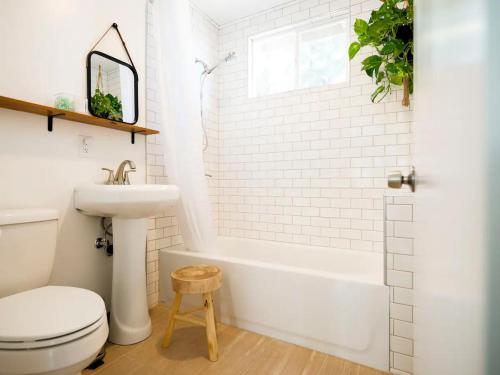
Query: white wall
{"points": [[44, 46], [306, 166], [379, 133]]}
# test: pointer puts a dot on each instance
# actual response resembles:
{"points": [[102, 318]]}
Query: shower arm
{"points": [[208, 70]]}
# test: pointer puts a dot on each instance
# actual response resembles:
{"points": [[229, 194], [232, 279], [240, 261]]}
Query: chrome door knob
{"points": [[396, 180]]}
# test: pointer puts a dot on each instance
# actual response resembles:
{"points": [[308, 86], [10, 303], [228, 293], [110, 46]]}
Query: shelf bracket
{"points": [[50, 121], [132, 136]]}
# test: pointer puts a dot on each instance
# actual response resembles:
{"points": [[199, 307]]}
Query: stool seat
{"points": [[200, 279], [196, 279]]}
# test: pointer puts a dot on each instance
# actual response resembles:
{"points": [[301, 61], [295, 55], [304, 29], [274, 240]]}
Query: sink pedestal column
{"points": [[130, 321]]}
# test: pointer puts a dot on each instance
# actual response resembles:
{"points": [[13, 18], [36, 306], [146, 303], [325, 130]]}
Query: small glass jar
{"points": [[65, 101]]}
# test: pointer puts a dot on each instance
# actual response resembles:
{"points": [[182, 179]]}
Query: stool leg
{"points": [[171, 320], [213, 350]]}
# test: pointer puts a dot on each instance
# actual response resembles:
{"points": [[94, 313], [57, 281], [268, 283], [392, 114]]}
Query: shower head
{"points": [[230, 56], [207, 70]]}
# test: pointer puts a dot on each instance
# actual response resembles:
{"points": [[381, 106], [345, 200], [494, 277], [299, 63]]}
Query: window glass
{"points": [[274, 64], [323, 55], [299, 57]]}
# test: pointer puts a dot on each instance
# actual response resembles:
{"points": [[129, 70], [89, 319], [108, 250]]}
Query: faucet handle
{"points": [[111, 176], [125, 177]]}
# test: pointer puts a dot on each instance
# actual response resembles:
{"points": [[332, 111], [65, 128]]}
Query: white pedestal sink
{"points": [[129, 206]]}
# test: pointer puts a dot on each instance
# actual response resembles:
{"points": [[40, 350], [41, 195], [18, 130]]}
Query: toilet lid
{"points": [[48, 312]]}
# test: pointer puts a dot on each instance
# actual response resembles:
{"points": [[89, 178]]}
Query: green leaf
{"points": [[372, 61], [371, 64], [396, 79], [360, 26], [354, 49], [364, 40], [377, 92], [388, 48], [380, 77], [377, 31], [392, 68], [394, 47]]}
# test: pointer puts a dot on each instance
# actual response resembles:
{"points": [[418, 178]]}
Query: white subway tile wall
{"points": [[399, 241], [307, 166]]}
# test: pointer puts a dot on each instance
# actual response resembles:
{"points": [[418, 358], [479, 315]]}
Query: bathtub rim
{"points": [[351, 277]]}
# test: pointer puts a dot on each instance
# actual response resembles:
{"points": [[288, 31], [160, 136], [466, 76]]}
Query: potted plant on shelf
{"points": [[389, 31]]}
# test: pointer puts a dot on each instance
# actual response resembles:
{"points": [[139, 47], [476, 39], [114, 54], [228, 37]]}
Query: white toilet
{"points": [[43, 329]]}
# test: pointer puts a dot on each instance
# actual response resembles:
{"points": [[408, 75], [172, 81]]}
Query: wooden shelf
{"points": [[51, 112]]}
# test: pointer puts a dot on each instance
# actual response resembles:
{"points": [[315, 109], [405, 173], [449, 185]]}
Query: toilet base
{"points": [[65, 359]]}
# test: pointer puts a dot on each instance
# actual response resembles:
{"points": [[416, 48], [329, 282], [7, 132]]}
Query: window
{"points": [[302, 57]]}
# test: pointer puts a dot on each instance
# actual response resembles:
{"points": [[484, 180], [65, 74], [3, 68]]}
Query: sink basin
{"points": [[129, 207], [125, 201]]}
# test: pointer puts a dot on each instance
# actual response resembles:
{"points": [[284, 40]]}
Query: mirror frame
{"points": [[89, 83]]}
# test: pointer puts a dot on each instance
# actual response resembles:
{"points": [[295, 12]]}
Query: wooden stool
{"points": [[202, 280]]}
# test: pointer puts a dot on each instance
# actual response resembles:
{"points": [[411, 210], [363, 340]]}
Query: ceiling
{"points": [[226, 11]]}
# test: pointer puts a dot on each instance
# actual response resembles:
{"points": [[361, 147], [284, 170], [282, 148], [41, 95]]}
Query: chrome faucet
{"points": [[121, 176]]}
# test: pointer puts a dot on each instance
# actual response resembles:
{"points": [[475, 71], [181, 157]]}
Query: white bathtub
{"points": [[329, 300]]}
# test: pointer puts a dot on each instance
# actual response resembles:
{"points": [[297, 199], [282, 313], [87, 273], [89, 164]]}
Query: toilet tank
{"points": [[27, 248]]}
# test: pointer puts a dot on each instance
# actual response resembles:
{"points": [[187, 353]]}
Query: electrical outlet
{"points": [[84, 146]]}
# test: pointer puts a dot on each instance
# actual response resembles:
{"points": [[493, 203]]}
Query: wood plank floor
{"points": [[240, 352]]}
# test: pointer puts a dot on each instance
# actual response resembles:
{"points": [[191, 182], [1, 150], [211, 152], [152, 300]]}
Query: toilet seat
{"points": [[49, 316], [68, 358]]}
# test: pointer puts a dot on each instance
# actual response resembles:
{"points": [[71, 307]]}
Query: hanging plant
{"points": [[105, 105], [390, 32]]}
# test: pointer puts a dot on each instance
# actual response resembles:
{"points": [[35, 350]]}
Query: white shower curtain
{"points": [[181, 123]]}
